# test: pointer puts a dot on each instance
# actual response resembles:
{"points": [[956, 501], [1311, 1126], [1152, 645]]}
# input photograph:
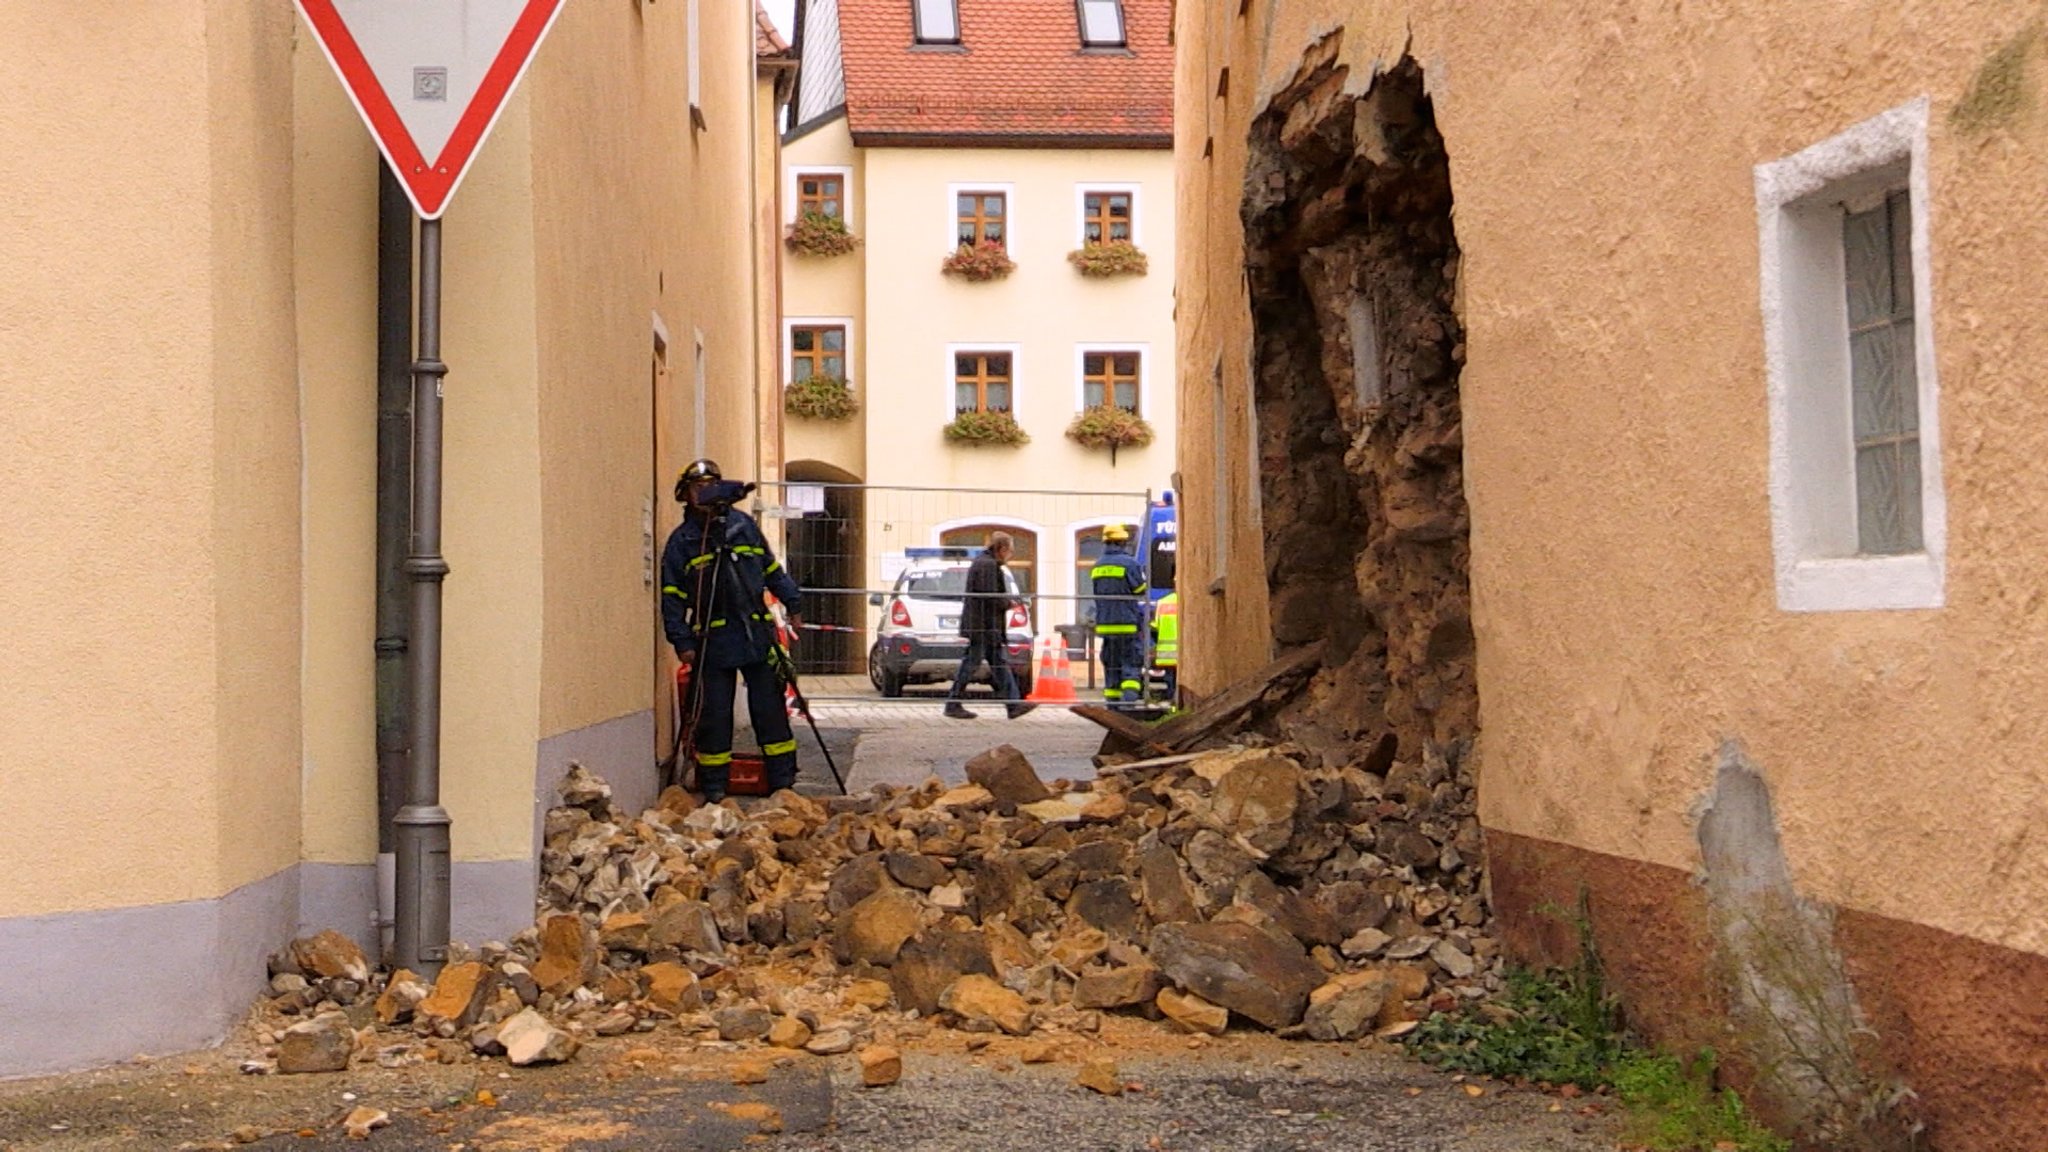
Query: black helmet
{"points": [[698, 471]]}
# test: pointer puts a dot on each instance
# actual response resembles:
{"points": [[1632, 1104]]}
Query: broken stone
{"points": [[1369, 942], [1455, 963], [581, 789], [1347, 1007], [1239, 967], [287, 984], [323, 1044], [1008, 777], [401, 995], [626, 932], [789, 1032], [529, 1039], [331, 956], [1192, 1013], [766, 1118], [1255, 797], [687, 926], [1101, 1075], [671, 988], [914, 871], [874, 930], [459, 996], [363, 1120], [978, 1000], [931, 962], [880, 1066], [746, 1022], [1058, 810], [568, 954], [833, 1042], [1125, 987]]}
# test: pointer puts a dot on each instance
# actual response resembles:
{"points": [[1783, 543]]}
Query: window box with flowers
{"points": [[1113, 258], [979, 263], [981, 429], [816, 234], [1111, 427], [820, 398]]}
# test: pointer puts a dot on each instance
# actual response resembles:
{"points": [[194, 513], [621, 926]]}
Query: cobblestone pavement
{"points": [[904, 741]]}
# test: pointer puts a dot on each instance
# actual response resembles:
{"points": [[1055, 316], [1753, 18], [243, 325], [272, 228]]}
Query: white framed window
{"points": [[1112, 373], [1102, 23], [695, 61], [982, 378], [817, 346], [813, 186], [1858, 515], [972, 209], [936, 21], [1107, 211]]}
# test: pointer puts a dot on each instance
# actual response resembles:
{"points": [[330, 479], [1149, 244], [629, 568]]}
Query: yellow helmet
{"points": [[1116, 534]]}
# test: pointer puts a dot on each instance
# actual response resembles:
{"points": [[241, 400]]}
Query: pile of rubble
{"points": [[1238, 885]]}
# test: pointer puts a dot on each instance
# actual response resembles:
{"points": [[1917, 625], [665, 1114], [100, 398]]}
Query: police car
{"points": [[917, 639]]}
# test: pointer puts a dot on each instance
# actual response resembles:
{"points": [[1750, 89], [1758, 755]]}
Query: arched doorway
{"points": [[826, 550]]}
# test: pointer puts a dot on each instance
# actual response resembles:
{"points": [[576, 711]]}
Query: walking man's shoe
{"points": [[955, 711], [1017, 710]]}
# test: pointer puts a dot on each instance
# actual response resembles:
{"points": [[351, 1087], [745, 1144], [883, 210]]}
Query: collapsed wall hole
{"points": [[1353, 265]]}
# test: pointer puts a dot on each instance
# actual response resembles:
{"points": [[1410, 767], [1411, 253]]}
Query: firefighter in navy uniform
{"points": [[1119, 585], [713, 572]]}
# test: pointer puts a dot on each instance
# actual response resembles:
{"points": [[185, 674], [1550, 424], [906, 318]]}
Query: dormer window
{"points": [[938, 21], [1102, 23]]}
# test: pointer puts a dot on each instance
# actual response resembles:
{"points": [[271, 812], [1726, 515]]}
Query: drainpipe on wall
{"points": [[394, 526]]}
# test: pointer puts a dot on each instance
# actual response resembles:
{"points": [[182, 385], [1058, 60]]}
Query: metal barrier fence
{"points": [[861, 552]]}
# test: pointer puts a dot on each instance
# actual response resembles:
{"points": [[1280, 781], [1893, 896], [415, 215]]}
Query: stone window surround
{"points": [[1805, 314]]}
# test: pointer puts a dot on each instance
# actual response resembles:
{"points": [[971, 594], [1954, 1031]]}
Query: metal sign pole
{"points": [[420, 938]]}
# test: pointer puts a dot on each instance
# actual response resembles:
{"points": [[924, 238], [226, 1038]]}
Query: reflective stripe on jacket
{"points": [[1166, 632], [735, 623], [1119, 580]]}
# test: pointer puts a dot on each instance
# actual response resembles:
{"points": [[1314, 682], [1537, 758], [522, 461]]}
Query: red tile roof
{"points": [[767, 41], [1019, 77]]}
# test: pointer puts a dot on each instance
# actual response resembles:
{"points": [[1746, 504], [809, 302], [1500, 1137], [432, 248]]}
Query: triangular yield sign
{"points": [[430, 77]]}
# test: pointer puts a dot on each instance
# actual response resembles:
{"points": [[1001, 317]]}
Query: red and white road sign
{"points": [[430, 77]]}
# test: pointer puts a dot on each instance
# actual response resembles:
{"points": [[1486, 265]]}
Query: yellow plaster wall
{"points": [[334, 188], [255, 392], [1046, 307], [493, 480], [1617, 437], [107, 350], [636, 212], [833, 286]]}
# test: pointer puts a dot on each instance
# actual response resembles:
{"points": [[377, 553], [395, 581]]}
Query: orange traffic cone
{"points": [[1052, 681]]}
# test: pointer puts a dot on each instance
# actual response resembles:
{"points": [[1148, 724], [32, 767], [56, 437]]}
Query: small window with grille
{"points": [[981, 382], [1877, 248], [1858, 516]]}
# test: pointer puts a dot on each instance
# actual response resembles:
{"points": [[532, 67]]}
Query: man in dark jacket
{"points": [[713, 572], [984, 622], [1118, 581]]}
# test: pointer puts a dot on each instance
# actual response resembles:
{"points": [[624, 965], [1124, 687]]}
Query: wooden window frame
{"points": [[1110, 377], [818, 354], [1103, 218], [805, 201], [980, 219], [982, 378]]}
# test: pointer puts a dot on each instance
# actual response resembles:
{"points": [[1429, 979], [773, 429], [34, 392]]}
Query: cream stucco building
{"points": [[920, 125], [189, 347], [1669, 375]]}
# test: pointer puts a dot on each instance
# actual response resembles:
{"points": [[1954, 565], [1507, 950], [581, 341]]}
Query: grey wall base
{"points": [[90, 988], [83, 989]]}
